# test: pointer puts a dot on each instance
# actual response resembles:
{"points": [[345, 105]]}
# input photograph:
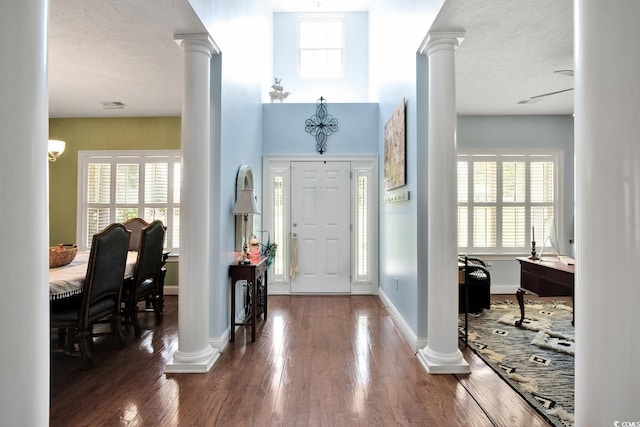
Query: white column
{"points": [[441, 355], [194, 353], [607, 152], [24, 264]]}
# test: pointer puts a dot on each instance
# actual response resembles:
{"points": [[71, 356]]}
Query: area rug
{"points": [[536, 360]]}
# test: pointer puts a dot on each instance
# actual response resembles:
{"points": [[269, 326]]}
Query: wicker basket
{"points": [[61, 255]]}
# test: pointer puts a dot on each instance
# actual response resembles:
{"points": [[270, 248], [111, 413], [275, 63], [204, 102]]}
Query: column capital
{"points": [[438, 40], [197, 40]]}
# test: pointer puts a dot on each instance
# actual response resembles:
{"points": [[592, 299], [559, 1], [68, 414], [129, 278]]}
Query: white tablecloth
{"points": [[67, 280]]}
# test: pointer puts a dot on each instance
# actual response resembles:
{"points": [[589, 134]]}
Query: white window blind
{"points": [[362, 232], [501, 197], [321, 48], [117, 185], [279, 223], [364, 222]]}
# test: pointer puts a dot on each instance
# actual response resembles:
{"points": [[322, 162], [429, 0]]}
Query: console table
{"points": [[545, 279], [256, 276]]}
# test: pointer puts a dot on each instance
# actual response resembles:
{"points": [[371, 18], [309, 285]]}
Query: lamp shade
{"points": [[246, 204], [55, 148]]}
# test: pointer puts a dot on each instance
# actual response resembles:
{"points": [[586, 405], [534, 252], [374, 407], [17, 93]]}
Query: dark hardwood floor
{"points": [[317, 361]]}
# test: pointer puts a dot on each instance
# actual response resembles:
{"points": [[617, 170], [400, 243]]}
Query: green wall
{"points": [[135, 133]]}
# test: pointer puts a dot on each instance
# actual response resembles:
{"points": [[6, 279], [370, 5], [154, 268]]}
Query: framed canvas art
{"points": [[395, 142]]}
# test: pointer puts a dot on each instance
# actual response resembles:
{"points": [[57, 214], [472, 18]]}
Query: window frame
{"points": [[506, 155], [114, 157], [300, 49]]}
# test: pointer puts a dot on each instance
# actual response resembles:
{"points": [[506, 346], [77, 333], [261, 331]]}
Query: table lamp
{"points": [[245, 206]]}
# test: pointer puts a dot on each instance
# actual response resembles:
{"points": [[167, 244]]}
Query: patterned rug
{"points": [[537, 359]]}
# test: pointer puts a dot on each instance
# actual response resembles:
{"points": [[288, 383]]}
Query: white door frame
{"points": [[364, 167]]}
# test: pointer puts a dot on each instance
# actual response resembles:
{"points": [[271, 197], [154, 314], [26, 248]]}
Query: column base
{"points": [[198, 362], [438, 363]]}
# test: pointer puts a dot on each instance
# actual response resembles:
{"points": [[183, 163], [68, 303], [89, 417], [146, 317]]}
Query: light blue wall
{"points": [[352, 88], [525, 133], [284, 129], [396, 30], [238, 82]]}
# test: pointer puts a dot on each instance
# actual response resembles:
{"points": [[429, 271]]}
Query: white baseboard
{"points": [[283, 288], [504, 289], [220, 343], [410, 337], [279, 288], [171, 290], [405, 330]]}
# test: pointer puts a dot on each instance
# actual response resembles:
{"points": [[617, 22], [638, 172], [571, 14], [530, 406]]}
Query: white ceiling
{"points": [[123, 51], [114, 50], [510, 52]]}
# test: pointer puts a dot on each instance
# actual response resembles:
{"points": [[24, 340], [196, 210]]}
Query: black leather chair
{"points": [[101, 292], [476, 289], [146, 283]]}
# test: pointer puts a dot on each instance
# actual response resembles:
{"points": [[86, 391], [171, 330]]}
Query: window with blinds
{"points": [[321, 48], [502, 198], [118, 185], [362, 223], [279, 223]]}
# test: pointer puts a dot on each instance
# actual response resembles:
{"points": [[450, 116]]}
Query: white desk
{"points": [[68, 280]]}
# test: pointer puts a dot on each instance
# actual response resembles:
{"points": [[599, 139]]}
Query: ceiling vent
{"points": [[112, 105]]}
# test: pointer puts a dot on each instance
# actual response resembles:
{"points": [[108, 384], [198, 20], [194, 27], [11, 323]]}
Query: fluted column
{"points": [[194, 353], [607, 153], [441, 355], [24, 265]]}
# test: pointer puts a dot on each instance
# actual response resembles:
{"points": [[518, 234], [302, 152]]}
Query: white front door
{"points": [[320, 226]]}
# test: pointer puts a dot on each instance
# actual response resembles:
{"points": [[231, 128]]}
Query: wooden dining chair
{"points": [[147, 281], [101, 292], [135, 225]]}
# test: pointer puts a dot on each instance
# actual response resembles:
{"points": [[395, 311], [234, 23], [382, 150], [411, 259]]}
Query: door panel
{"points": [[320, 218]]}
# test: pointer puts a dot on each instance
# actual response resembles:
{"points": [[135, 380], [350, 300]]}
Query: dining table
{"points": [[68, 280]]}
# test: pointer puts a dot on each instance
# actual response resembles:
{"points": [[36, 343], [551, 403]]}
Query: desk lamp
{"points": [[245, 206]]}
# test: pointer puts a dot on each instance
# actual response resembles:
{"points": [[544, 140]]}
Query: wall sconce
{"points": [[245, 206], [56, 147]]}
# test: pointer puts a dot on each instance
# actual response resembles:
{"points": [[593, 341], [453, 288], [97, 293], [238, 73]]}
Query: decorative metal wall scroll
{"points": [[321, 125]]}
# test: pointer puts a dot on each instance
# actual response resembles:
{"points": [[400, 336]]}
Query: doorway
{"points": [[322, 215]]}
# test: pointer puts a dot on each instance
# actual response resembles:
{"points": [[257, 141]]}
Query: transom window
{"points": [[503, 198], [321, 48], [117, 185]]}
